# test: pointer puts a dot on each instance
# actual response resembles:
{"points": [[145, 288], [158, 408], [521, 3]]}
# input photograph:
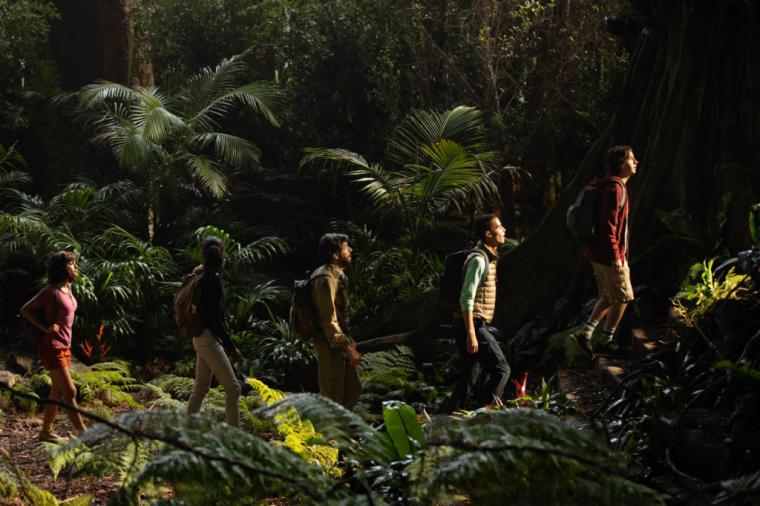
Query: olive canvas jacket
{"points": [[329, 290]]}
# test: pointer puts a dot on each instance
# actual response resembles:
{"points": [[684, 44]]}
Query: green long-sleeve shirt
{"points": [[475, 268]]}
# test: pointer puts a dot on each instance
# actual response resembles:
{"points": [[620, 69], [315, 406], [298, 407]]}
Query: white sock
{"points": [[608, 334], [588, 327]]}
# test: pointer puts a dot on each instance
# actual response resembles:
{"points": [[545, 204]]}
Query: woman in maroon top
{"points": [[54, 347]]}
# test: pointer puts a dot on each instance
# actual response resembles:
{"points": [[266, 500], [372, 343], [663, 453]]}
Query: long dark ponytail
{"points": [[213, 254]]}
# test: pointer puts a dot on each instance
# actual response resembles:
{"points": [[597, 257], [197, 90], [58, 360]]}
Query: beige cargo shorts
{"points": [[613, 285]]}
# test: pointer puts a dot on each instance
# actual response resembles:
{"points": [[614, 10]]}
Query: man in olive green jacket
{"points": [[337, 357]]}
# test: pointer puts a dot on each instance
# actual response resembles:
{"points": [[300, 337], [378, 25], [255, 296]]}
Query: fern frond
{"points": [[193, 448], [349, 431], [528, 456]]}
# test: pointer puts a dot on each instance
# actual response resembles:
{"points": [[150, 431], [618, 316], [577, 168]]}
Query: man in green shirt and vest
{"points": [[481, 354], [337, 357]]}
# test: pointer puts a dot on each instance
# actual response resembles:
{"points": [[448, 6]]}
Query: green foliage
{"points": [[239, 257], [549, 462], [165, 137], [743, 369], [384, 272], [754, 223], [22, 404], [278, 350], [24, 31], [439, 162], [108, 382], [740, 491], [8, 487], [14, 484], [438, 167], [392, 374], [689, 239], [298, 436], [178, 387], [704, 287], [187, 35], [121, 277], [202, 460], [544, 398], [402, 427], [10, 163]]}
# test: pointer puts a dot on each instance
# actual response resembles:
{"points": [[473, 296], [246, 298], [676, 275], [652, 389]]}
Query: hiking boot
{"points": [[612, 348], [583, 344]]}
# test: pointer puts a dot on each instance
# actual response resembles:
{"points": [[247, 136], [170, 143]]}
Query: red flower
{"points": [[521, 386]]}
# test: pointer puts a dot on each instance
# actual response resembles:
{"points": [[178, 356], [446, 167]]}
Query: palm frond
{"points": [[262, 294], [261, 97], [208, 173], [463, 125], [383, 188], [103, 92], [206, 86], [153, 121], [231, 149], [259, 251], [10, 161], [332, 158], [130, 148], [119, 192]]}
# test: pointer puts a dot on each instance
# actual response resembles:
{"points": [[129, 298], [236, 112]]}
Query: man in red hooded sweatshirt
{"points": [[608, 251]]}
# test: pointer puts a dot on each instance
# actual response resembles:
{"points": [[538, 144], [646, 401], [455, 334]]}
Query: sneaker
{"points": [[50, 437]]}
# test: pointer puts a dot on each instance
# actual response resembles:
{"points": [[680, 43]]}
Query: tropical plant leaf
{"points": [[208, 174], [233, 150]]}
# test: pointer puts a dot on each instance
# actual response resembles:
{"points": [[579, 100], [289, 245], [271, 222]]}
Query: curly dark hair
{"points": [[57, 266], [614, 159], [329, 244]]}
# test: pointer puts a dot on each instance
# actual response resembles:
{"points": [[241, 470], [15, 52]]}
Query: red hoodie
{"points": [[611, 241]]}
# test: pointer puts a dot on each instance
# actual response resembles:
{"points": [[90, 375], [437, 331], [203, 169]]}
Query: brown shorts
{"points": [[612, 285], [53, 358]]}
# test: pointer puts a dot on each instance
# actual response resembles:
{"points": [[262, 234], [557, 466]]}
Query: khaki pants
{"points": [[212, 360], [338, 379]]}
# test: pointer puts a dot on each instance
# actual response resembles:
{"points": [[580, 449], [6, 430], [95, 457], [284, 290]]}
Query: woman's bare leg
{"points": [[67, 394]]}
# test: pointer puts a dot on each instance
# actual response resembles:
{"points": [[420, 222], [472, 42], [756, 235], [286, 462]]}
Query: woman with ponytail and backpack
{"points": [[52, 312], [210, 344]]}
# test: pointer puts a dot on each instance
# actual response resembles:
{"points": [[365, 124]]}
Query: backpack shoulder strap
{"points": [[625, 191], [484, 254]]}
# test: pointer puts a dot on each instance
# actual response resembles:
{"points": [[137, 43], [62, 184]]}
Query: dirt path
{"points": [[19, 437]]}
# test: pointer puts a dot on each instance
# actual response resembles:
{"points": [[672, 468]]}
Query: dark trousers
{"points": [[488, 364]]}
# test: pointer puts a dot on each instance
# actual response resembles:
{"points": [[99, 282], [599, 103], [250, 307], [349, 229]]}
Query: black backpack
{"points": [[453, 275], [582, 216]]}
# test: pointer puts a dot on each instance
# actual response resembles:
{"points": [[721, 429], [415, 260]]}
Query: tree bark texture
{"points": [[97, 39], [690, 108]]}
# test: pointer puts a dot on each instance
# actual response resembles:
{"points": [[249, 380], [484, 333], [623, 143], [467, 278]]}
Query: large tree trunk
{"points": [[97, 39], [690, 107]]}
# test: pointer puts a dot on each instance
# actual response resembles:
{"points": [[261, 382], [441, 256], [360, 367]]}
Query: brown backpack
{"points": [[303, 316], [187, 305]]}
